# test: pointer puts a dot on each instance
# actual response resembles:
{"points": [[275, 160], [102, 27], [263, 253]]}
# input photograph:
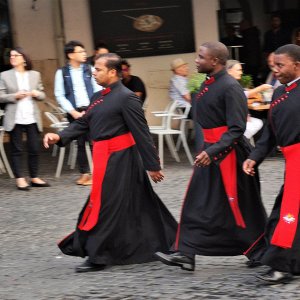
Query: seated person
{"points": [[134, 83], [178, 90], [234, 68], [271, 78]]}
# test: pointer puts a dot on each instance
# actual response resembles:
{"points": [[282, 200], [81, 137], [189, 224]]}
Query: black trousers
{"points": [[83, 164], [17, 149]]}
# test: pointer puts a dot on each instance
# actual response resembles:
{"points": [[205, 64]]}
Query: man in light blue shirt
{"points": [[178, 90], [73, 88]]}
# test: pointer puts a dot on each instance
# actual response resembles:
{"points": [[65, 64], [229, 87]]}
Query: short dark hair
{"points": [[101, 44], [70, 47], [219, 50], [28, 62], [113, 61], [125, 62], [291, 50]]}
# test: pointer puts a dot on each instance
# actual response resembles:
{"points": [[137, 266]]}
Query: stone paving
{"points": [[32, 267]]}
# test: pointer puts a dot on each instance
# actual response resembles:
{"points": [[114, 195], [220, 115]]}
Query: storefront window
{"points": [[5, 36]]}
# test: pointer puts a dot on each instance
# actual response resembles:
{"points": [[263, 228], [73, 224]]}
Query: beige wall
{"points": [[77, 25], [33, 29], [36, 31]]}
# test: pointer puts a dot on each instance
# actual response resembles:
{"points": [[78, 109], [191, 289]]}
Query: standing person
{"points": [[251, 50], [20, 89], [134, 83], [282, 236], [123, 221], [100, 48], [73, 88], [222, 212], [276, 36]]}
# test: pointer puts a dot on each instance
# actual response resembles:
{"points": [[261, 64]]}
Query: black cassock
{"points": [[132, 223], [283, 129], [207, 225]]}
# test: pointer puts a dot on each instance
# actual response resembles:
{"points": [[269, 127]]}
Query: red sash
{"points": [[285, 230], [101, 153], [228, 172]]}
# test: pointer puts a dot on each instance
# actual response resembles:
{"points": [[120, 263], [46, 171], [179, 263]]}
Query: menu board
{"points": [[135, 28]]}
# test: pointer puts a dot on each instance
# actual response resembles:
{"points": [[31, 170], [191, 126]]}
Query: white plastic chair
{"points": [[58, 125], [57, 111], [166, 130], [4, 164]]}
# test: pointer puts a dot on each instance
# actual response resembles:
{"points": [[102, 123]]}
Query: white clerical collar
{"points": [[291, 82]]}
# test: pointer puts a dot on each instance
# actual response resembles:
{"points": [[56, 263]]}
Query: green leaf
{"points": [[195, 81], [246, 81]]}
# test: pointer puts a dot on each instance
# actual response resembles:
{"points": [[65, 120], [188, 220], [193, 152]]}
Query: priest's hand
{"points": [[202, 160], [248, 167], [156, 176], [50, 139]]}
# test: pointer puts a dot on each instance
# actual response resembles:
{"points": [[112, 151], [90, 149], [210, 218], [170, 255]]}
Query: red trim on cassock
{"points": [[254, 244], [228, 171], [285, 230], [101, 153]]}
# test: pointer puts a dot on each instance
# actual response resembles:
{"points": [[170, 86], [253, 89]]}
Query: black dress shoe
{"points": [[34, 184], [275, 277], [253, 263], [176, 259], [23, 188], [87, 266]]}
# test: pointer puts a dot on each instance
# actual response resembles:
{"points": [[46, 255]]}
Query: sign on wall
{"points": [[135, 28]]}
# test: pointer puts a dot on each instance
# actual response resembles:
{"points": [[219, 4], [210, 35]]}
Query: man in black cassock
{"points": [[222, 212], [282, 236], [123, 220]]}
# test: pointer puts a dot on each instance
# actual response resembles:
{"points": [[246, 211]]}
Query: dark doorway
{"points": [[5, 36]]}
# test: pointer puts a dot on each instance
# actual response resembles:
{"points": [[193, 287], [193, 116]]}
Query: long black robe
{"points": [[133, 222], [207, 225], [283, 129]]}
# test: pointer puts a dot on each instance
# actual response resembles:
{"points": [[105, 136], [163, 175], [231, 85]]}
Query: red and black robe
{"points": [[123, 220], [281, 242], [222, 212]]}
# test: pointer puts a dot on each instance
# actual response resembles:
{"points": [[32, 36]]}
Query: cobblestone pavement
{"points": [[32, 267]]}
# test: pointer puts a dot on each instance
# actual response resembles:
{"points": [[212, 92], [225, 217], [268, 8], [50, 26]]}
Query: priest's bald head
{"points": [[212, 57]]}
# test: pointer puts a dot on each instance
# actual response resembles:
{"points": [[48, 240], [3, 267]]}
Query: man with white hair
{"points": [[178, 89]]}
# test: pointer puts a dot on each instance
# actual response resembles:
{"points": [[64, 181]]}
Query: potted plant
{"points": [[246, 81], [195, 81]]}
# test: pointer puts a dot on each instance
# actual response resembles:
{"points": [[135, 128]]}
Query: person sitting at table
{"points": [[271, 78], [234, 68]]}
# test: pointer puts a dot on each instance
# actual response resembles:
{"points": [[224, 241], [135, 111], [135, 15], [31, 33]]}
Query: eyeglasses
{"points": [[15, 55]]}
